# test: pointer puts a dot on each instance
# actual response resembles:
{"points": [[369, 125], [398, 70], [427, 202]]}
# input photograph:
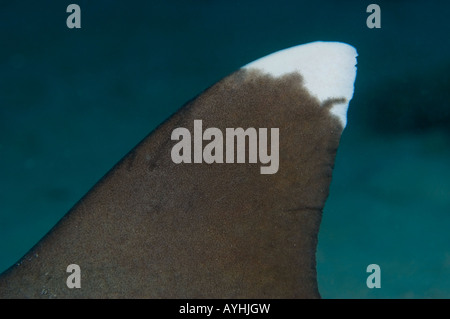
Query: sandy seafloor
{"points": [[73, 102]]}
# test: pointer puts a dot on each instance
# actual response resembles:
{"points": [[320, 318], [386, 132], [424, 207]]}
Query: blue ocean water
{"points": [[74, 101]]}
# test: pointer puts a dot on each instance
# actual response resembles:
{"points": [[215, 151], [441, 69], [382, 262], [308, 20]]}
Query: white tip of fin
{"points": [[328, 70]]}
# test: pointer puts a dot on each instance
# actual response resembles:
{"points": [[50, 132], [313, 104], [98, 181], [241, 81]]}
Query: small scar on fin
{"points": [[328, 104]]}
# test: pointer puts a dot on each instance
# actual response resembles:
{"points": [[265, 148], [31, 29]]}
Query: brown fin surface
{"points": [[155, 229]]}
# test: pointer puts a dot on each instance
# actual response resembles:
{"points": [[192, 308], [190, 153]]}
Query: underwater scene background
{"points": [[74, 101]]}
